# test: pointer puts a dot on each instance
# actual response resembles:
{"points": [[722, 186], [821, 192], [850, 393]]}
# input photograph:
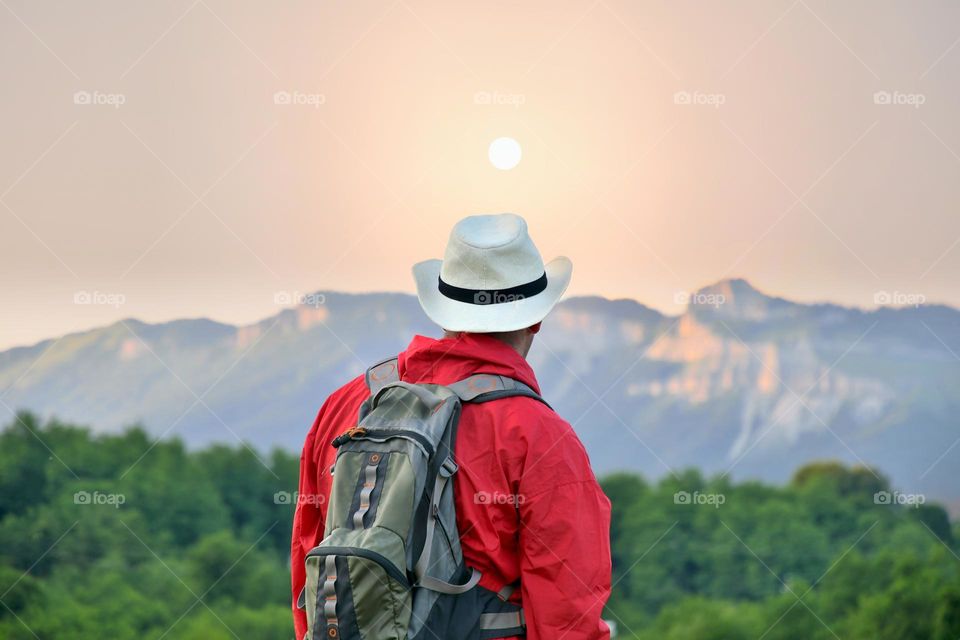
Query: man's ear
{"points": [[535, 329]]}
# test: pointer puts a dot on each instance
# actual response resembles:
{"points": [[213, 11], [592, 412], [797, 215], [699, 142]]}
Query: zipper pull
{"points": [[347, 435]]}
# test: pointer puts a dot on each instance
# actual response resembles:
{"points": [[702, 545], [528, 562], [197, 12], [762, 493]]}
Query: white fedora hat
{"points": [[491, 278]]}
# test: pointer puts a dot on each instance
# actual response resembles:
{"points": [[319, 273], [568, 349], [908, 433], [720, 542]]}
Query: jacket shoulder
{"points": [[349, 392], [532, 415], [549, 443]]}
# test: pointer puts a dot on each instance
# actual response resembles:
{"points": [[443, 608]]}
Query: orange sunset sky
{"points": [[195, 157]]}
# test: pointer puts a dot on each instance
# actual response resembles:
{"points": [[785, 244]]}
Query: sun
{"points": [[505, 153]]}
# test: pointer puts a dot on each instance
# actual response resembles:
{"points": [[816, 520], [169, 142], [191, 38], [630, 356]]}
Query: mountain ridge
{"points": [[706, 289], [748, 384]]}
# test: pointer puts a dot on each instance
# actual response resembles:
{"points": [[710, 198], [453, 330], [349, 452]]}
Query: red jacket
{"points": [[528, 504]]}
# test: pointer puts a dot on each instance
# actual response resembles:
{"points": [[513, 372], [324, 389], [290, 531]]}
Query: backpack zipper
{"points": [[388, 566], [382, 435]]}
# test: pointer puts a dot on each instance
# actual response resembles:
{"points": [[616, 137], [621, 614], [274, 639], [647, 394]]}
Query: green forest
{"points": [[123, 537]]}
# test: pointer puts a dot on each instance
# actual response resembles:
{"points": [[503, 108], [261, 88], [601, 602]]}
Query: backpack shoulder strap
{"points": [[381, 374], [484, 387]]}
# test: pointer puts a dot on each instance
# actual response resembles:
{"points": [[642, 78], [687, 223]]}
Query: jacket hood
{"points": [[448, 360]]}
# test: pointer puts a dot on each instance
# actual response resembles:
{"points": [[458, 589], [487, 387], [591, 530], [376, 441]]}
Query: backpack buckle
{"points": [[450, 467]]}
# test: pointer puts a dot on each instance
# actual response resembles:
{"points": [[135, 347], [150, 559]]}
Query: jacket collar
{"points": [[447, 360]]}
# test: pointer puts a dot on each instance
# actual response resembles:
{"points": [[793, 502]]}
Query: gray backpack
{"points": [[390, 566]]}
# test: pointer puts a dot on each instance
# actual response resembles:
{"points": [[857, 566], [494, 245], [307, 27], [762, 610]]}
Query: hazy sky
{"points": [[665, 145]]}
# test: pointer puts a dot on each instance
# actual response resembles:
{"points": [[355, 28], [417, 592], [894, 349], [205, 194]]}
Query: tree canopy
{"points": [[122, 536]]}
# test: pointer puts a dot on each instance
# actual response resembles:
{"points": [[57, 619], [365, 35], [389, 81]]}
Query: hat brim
{"points": [[453, 315]]}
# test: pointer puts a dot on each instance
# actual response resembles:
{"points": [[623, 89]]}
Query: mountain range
{"points": [[740, 383]]}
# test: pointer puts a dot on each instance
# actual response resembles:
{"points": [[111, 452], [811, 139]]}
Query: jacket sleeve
{"points": [[308, 522], [564, 542]]}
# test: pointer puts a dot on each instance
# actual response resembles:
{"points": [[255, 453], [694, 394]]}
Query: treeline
{"points": [[835, 554], [126, 538], [122, 537]]}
